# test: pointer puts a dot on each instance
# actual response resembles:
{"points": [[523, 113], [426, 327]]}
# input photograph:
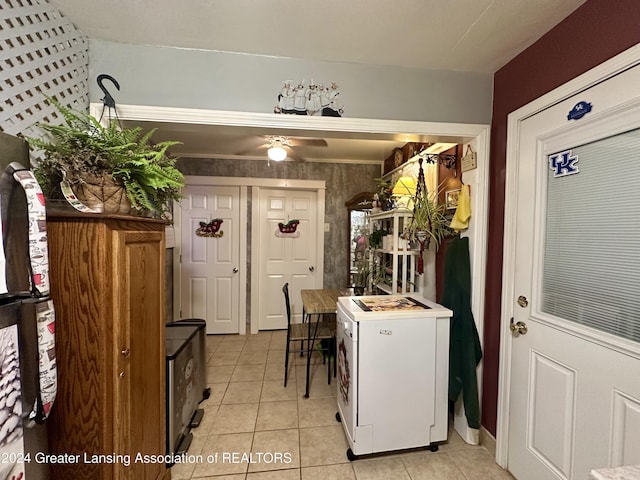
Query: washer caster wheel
{"points": [[433, 447], [351, 456], [338, 417]]}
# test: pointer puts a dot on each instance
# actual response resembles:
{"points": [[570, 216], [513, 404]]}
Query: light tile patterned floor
{"points": [[288, 437]]}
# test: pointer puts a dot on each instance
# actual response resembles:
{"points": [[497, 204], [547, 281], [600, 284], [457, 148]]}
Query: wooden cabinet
{"points": [[108, 286]]}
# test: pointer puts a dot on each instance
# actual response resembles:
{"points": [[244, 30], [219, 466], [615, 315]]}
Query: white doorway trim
{"points": [[146, 113], [608, 69], [177, 250], [478, 134]]}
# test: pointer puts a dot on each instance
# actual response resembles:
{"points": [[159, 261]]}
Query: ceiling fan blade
{"points": [[294, 156], [252, 149], [307, 142]]}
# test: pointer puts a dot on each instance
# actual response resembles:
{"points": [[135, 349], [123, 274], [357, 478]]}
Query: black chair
{"points": [[307, 334]]}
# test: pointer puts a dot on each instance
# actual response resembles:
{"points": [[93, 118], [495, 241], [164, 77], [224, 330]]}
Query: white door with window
{"points": [[210, 260], [574, 383], [287, 252]]}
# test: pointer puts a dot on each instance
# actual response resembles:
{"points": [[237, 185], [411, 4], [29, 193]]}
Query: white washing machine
{"points": [[393, 372]]}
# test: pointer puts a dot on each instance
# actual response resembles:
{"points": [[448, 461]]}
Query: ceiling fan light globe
{"points": [[277, 154]]}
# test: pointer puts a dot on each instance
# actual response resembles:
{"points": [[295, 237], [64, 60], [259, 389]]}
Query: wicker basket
{"points": [[102, 194]]}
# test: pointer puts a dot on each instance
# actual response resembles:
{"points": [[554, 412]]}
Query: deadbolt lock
{"points": [[522, 301]]}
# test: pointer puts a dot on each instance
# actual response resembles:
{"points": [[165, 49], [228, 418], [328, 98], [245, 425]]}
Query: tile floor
{"points": [[290, 437]]}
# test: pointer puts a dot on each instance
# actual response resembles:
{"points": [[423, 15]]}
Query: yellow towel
{"points": [[460, 220]]}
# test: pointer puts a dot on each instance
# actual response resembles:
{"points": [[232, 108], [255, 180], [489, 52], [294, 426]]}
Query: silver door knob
{"points": [[518, 328], [125, 352], [235, 269], [311, 269]]}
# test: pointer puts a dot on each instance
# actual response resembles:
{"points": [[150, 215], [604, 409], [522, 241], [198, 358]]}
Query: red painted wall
{"points": [[595, 32]]}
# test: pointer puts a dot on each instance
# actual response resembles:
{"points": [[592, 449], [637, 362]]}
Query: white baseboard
{"points": [[460, 425]]}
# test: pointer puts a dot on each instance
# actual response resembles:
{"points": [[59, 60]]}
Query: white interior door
{"points": [[289, 257], [210, 265], [574, 398]]}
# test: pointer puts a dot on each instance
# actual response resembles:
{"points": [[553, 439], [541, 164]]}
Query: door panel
{"points": [[139, 406], [210, 264], [575, 368], [286, 257], [551, 412], [625, 430]]}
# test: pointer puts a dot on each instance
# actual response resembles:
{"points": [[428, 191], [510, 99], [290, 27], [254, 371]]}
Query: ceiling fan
{"points": [[279, 147]]}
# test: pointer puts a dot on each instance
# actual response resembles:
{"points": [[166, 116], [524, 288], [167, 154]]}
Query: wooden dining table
{"points": [[318, 301]]}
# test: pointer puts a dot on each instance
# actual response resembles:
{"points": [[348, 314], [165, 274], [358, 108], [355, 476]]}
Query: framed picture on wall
{"points": [[451, 199]]}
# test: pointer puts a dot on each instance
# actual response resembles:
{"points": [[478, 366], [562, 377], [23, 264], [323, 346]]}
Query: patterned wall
{"points": [[343, 181], [41, 53]]}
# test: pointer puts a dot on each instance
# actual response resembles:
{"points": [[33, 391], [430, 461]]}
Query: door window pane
{"points": [[591, 270]]}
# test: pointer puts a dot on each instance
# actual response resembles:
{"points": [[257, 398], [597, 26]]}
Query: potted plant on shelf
{"points": [[110, 169], [375, 238], [384, 194], [362, 277]]}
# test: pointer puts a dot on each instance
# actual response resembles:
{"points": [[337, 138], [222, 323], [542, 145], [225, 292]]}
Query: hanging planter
{"points": [[429, 221], [102, 194], [98, 163]]}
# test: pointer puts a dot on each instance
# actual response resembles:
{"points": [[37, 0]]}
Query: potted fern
{"points": [[110, 169]]}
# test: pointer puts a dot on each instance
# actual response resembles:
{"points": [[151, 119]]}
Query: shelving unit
{"points": [[395, 257]]}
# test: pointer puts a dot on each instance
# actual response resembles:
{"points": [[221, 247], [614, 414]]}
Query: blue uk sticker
{"points": [[563, 164], [579, 110]]}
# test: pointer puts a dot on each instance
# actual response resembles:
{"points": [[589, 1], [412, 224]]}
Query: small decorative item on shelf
{"points": [[385, 195], [429, 221], [375, 204], [387, 242], [211, 229], [314, 99], [403, 243]]}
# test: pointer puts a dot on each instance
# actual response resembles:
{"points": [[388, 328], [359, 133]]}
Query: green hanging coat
{"points": [[464, 345]]}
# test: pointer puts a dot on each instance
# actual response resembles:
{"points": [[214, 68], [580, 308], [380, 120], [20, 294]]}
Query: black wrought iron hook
{"points": [[108, 100]]}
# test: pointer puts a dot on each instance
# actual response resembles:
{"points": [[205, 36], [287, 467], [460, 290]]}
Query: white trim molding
{"points": [[256, 182], [368, 128], [476, 134]]}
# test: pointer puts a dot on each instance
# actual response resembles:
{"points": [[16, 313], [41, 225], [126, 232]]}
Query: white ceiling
{"points": [[468, 35]]}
